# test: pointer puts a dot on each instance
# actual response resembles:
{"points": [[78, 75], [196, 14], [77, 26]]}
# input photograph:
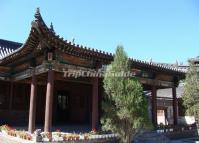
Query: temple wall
{"points": [[4, 95], [80, 95], [14, 117], [80, 102], [21, 97], [40, 105], [14, 112]]}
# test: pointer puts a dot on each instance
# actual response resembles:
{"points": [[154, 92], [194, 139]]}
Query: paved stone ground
{"points": [[6, 139], [187, 140], [154, 137]]}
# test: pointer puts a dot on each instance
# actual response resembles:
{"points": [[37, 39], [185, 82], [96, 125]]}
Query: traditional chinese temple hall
{"points": [[34, 91]]}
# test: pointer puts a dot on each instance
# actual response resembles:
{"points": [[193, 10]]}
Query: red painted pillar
{"points": [[154, 105], [95, 110], [175, 114], [32, 110], [49, 101]]}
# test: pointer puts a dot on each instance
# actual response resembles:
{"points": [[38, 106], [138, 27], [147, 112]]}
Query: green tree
{"points": [[125, 108], [191, 91]]}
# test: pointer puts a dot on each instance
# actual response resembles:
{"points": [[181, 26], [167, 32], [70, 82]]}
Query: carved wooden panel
{"points": [[4, 69], [39, 60], [155, 82], [28, 73], [74, 60], [142, 73], [164, 77], [22, 67]]}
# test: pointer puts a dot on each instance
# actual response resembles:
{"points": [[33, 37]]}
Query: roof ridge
{"points": [[9, 41]]}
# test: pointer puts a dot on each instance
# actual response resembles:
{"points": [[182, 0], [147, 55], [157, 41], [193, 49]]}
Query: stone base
{"points": [[94, 139]]}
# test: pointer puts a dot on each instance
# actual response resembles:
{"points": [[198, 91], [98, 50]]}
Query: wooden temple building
{"points": [[33, 88]]}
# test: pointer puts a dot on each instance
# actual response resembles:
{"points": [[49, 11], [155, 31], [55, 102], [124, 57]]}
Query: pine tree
{"points": [[191, 91], [124, 105]]}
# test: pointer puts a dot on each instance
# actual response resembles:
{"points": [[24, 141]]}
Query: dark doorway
{"points": [[63, 106]]}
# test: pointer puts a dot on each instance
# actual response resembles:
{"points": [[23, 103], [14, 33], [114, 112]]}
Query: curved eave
{"points": [[25, 49], [74, 49], [87, 53], [31, 42], [39, 29], [158, 68]]}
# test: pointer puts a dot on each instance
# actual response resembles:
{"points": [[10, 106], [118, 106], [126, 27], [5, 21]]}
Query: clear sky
{"points": [[164, 30]]}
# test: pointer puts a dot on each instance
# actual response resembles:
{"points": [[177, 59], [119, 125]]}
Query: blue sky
{"points": [[164, 30]]}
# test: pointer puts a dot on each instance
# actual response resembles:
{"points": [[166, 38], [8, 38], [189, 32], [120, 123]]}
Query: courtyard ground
{"points": [[187, 140]]}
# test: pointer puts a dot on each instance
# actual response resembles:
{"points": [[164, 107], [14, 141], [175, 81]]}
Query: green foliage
{"points": [[191, 91], [124, 106]]}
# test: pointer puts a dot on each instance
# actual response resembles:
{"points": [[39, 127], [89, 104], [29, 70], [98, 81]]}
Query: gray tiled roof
{"points": [[7, 47], [194, 60], [181, 67]]}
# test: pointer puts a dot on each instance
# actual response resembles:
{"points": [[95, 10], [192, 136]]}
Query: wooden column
{"points": [[32, 109], [175, 114], [49, 101], [11, 95], [95, 110], [154, 105]]}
